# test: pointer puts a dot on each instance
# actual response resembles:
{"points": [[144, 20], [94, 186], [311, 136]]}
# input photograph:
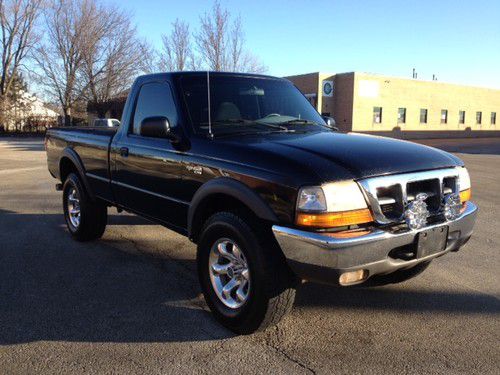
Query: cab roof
{"points": [[168, 75]]}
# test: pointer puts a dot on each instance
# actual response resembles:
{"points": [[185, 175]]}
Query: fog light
{"points": [[417, 213], [452, 206], [352, 277]]}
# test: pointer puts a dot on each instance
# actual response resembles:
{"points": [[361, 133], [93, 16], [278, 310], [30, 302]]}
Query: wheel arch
{"points": [[226, 193], [71, 162]]}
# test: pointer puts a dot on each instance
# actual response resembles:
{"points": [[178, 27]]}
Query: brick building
{"points": [[406, 108]]}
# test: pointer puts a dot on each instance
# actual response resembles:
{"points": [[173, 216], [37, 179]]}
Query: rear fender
{"points": [[71, 154]]}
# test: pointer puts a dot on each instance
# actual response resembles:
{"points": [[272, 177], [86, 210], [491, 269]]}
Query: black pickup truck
{"points": [[270, 192]]}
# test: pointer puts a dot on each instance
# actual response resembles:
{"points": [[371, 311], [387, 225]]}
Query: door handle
{"points": [[124, 151]]}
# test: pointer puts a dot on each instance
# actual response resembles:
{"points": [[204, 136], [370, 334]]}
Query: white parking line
{"points": [[16, 170]]}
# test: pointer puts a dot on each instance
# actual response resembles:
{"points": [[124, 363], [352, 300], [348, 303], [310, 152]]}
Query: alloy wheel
{"points": [[74, 212], [229, 273]]}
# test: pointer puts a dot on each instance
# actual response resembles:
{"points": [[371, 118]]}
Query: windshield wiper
{"points": [[257, 127], [299, 121], [250, 123], [230, 121]]}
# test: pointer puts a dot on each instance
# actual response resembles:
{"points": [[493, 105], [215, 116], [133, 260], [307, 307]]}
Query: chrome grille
{"points": [[389, 195]]}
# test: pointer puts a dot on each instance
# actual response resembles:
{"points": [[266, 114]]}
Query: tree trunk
{"points": [[67, 117], [3, 117]]}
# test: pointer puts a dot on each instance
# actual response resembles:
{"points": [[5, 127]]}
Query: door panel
{"points": [[148, 171], [148, 179]]}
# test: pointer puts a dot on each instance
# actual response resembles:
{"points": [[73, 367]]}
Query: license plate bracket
{"points": [[432, 241]]}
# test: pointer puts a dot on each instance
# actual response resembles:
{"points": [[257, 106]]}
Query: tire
{"points": [[91, 221], [398, 276], [270, 286]]}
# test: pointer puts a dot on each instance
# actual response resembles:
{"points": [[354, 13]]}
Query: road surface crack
{"points": [[290, 358], [274, 341]]}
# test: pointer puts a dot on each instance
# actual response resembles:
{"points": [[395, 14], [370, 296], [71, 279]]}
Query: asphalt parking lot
{"points": [[130, 303]]}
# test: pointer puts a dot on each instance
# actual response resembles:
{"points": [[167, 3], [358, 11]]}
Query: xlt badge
{"points": [[196, 169]]}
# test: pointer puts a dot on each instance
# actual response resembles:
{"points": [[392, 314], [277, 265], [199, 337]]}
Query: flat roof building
{"points": [[403, 108]]}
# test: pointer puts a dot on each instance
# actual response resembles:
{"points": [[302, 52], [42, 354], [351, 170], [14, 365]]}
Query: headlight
{"points": [[332, 205], [463, 179], [312, 199], [464, 185]]}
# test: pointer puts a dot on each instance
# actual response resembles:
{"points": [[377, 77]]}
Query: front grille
{"points": [[430, 187], [390, 195], [390, 199]]}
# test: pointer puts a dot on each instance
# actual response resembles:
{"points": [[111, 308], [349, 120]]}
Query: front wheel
{"points": [[244, 278]]}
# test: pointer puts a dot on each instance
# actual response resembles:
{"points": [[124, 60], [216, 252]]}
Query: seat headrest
{"points": [[227, 111]]}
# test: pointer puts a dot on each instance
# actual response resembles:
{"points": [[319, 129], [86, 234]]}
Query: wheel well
{"points": [[66, 166], [218, 203]]}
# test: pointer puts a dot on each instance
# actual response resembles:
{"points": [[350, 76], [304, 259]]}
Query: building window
{"points": [[423, 116], [312, 99], [401, 115], [444, 116], [377, 115], [493, 118], [479, 117], [461, 117]]}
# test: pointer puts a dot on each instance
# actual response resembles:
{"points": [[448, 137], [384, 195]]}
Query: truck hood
{"points": [[334, 156]]}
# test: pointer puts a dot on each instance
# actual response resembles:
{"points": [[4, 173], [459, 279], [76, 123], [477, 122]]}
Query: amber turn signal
{"points": [[334, 219], [465, 195]]}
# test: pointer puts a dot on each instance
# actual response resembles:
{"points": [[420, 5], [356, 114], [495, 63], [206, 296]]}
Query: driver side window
{"points": [[154, 99]]}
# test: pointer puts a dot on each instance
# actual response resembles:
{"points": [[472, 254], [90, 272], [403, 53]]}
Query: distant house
{"points": [[27, 113], [39, 108]]}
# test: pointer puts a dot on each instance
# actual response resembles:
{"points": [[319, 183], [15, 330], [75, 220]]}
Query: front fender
{"points": [[234, 189]]}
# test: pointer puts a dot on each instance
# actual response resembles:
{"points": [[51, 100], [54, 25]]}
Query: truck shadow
{"points": [[399, 298], [125, 219], [55, 289]]}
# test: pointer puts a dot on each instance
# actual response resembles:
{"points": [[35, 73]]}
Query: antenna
{"points": [[210, 134]]}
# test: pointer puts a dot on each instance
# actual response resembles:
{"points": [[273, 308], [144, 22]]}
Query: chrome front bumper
{"points": [[322, 257]]}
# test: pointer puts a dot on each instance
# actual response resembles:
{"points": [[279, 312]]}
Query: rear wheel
{"points": [[85, 219], [244, 278]]}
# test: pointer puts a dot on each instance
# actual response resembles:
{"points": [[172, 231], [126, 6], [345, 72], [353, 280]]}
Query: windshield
{"points": [[240, 104]]}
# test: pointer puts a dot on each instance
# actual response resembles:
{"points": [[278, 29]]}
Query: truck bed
{"points": [[85, 130], [90, 145]]}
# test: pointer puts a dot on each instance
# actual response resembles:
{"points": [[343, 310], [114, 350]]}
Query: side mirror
{"points": [[330, 122], [157, 127]]}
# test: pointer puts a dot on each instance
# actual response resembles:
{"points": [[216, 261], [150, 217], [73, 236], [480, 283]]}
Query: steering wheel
{"points": [[272, 115]]}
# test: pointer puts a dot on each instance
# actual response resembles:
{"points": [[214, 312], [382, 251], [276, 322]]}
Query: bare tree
{"points": [[177, 54], [236, 45], [111, 59], [71, 26], [212, 38], [241, 60], [18, 36], [149, 62], [220, 43], [17, 23], [91, 53]]}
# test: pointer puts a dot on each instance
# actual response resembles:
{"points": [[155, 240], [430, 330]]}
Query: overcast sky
{"points": [[459, 41]]}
